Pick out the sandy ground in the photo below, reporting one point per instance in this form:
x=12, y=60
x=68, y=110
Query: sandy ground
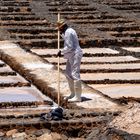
x=129, y=119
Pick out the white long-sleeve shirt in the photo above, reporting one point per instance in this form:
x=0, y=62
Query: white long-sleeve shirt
x=71, y=44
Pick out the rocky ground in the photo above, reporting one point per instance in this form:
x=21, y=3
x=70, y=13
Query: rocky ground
x=123, y=126
x=128, y=120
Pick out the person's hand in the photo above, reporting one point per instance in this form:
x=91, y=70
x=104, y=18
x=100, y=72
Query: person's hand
x=59, y=54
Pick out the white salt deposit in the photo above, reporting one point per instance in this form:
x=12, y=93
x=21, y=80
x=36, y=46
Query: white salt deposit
x=88, y=95
x=7, y=45
x=38, y=65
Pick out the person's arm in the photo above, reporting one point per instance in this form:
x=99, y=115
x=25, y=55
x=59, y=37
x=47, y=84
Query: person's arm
x=68, y=43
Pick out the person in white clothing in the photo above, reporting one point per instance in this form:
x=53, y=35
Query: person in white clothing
x=73, y=53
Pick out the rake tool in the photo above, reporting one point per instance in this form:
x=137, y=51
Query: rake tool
x=58, y=65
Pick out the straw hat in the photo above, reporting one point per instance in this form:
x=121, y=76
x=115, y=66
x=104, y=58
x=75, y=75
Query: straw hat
x=60, y=23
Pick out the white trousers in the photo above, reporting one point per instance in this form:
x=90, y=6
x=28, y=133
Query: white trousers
x=73, y=67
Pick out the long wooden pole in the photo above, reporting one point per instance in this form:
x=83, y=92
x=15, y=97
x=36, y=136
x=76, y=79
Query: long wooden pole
x=58, y=64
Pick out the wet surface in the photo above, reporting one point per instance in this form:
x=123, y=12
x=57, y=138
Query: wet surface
x=16, y=92
x=119, y=90
x=5, y=69
x=19, y=94
x=11, y=79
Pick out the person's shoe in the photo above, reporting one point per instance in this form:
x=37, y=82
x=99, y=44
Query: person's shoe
x=69, y=97
x=78, y=91
x=75, y=99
